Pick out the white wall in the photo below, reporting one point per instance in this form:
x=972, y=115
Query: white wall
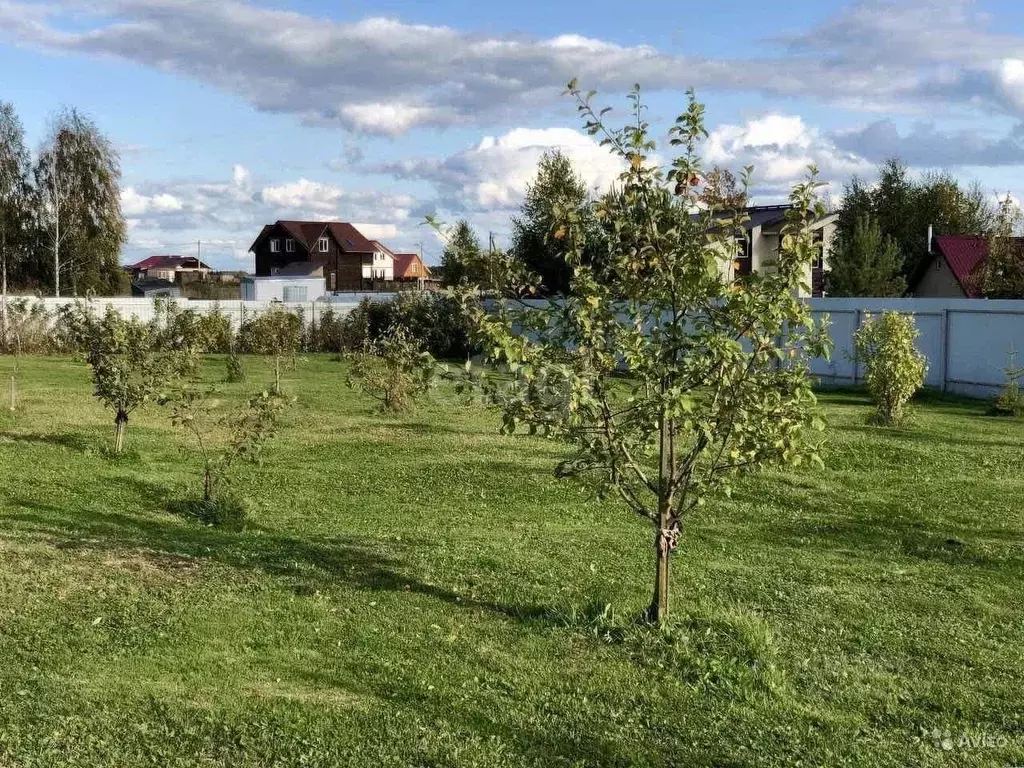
x=967, y=341
x=144, y=309
x=273, y=288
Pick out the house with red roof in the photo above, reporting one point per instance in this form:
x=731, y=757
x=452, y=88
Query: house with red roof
x=409, y=266
x=348, y=259
x=174, y=269
x=955, y=268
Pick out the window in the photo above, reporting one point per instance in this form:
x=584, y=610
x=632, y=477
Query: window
x=322, y=245
x=274, y=270
x=295, y=293
x=275, y=245
x=819, y=243
x=415, y=268
x=743, y=264
x=289, y=245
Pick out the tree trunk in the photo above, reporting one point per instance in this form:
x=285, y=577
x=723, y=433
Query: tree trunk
x=120, y=424
x=56, y=258
x=14, y=394
x=665, y=535
x=207, y=485
x=277, y=375
x=3, y=301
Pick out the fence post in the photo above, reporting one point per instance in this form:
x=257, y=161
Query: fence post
x=944, y=344
x=853, y=345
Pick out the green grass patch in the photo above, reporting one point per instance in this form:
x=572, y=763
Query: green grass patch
x=418, y=590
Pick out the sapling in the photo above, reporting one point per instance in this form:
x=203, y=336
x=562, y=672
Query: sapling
x=276, y=333
x=127, y=366
x=717, y=379
x=222, y=437
x=393, y=370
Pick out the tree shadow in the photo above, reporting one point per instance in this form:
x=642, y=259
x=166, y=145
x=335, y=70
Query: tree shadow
x=72, y=440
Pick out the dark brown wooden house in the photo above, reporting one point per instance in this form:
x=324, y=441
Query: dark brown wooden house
x=341, y=249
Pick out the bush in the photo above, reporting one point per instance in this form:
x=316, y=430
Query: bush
x=435, y=320
x=29, y=328
x=225, y=510
x=393, y=370
x=895, y=369
x=235, y=370
x=1010, y=401
x=328, y=334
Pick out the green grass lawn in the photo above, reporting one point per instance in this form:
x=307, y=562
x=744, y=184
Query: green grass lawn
x=418, y=590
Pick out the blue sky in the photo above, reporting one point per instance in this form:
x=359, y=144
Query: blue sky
x=233, y=113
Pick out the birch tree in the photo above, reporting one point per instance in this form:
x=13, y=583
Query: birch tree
x=14, y=202
x=77, y=177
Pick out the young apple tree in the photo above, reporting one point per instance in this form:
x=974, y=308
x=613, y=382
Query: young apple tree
x=665, y=374
x=127, y=368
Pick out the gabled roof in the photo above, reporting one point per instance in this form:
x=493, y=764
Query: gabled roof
x=347, y=237
x=169, y=262
x=770, y=216
x=964, y=254
x=381, y=247
x=404, y=260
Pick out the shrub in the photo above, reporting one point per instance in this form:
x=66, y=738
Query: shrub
x=235, y=370
x=393, y=370
x=227, y=511
x=1010, y=401
x=895, y=369
x=29, y=328
x=436, y=320
x=328, y=333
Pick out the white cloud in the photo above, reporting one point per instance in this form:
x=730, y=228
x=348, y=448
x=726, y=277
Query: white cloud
x=303, y=195
x=493, y=174
x=780, y=147
x=135, y=204
x=377, y=231
x=387, y=76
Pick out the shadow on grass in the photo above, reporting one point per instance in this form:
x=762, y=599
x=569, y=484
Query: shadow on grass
x=72, y=440
x=304, y=565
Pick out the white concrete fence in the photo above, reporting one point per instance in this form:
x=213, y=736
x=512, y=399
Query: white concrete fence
x=145, y=309
x=967, y=341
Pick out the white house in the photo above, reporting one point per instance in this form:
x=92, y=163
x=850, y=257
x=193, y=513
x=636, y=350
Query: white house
x=382, y=267
x=297, y=282
x=763, y=240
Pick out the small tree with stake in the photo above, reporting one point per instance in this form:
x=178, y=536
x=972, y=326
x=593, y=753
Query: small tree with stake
x=222, y=439
x=127, y=369
x=276, y=333
x=717, y=380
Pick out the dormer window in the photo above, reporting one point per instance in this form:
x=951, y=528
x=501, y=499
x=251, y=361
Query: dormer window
x=275, y=245
x=289, y=245
x=322, y=245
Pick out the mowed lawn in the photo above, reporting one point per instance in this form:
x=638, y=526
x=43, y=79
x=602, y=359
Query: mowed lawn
x=419, y=590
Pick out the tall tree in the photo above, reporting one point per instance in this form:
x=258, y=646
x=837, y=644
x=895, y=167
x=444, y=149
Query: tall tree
x=555, y=193
x=461, y=256
x=722, y=190
x=707, y=395
x=78, y=173
x=15, y=202
x=866, y=263
x=1002, y=276
x=905, y=207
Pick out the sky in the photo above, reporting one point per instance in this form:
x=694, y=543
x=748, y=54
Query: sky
x=232, y=114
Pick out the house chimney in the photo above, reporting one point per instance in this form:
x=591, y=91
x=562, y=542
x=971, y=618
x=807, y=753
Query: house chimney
x=929, y=238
